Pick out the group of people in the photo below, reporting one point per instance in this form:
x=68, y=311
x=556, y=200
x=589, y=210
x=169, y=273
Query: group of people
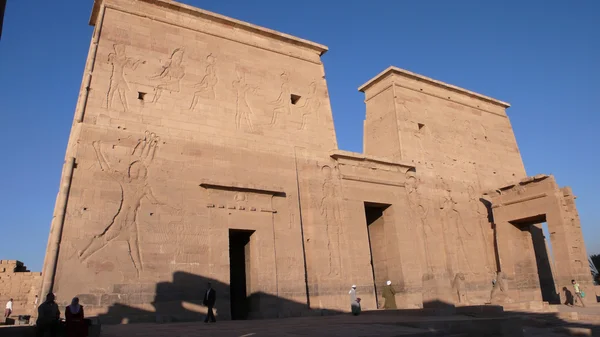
x=388, y=293
x=389, y=297
x=48, y=320
x=578, y=293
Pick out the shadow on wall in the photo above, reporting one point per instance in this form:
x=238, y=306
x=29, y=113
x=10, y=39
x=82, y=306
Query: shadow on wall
x=182, y=300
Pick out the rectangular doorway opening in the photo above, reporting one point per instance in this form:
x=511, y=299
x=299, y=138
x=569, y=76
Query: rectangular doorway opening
x=542, y=248
x=239, y=272
x=374, y=214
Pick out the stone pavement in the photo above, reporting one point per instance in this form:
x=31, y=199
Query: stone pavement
x=341, y=325
x=380, y=324
x=305, y=326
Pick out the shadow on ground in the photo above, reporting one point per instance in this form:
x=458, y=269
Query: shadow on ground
x=181, y=300
x=438, y=319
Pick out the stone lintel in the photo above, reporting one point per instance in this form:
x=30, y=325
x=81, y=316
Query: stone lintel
x=408, y=74
x=243, y=188
x=210, y=16
x=525, y=181
x=520, y=200
x=376, y=162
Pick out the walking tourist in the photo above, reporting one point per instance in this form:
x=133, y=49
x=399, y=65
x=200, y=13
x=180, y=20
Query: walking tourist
x=48, y=316
x=354, y=301
x=209, y=301
x=578, y=293
x=9, y=308
x=389, y=295
x=76, y=326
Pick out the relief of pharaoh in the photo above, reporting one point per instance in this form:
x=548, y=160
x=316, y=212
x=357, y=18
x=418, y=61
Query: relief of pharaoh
x=134, y=187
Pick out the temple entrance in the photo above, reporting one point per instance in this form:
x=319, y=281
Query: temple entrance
x=377, y=244
x=239, y=269
x=543, y=256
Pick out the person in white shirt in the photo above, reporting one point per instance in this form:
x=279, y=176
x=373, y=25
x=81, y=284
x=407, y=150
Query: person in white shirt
x=36, y=301
x=9, y=308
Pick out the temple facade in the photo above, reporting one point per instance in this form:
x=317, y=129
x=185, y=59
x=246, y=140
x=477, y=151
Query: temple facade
x=203, y=150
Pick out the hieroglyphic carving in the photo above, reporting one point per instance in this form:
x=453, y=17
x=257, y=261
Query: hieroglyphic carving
x=206, y=87
x=330, y=210
x=311, y=105
x=242, y=108
x=169, y=77
x=454, y=229
x=283, y=103
x=458, y=286
x=118, y=84
x=134, y=187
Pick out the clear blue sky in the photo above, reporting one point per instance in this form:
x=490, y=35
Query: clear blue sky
x=542, y=56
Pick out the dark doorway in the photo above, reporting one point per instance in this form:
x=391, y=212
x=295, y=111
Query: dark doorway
x=543, y=259
x=377, y=243
x=543, y=256
x=239, y=266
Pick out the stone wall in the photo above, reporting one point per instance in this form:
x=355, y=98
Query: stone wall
x=192, y=128
x=20, y=284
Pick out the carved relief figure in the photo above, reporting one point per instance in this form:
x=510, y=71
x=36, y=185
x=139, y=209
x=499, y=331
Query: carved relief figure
x=206, y=87
x=420, y=212
x=242, y=108
x=240, y=200
x=283, y=103
x=458, y=285
x=133, y=183
x=500, y=289
x=481, y=219
x=455, y=230
x=118, y=84
x=170, y=75
x=311, y=105
x=330, y=210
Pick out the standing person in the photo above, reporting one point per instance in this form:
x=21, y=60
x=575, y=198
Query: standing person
x=209, y=300
x=34, y=310
x=389, y=295
x=354, y=301
x=9, y=309
x=48, y=316
x=76, y=326
x=578, y=292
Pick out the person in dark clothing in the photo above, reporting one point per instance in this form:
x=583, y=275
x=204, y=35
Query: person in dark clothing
x=209, y=301
x=48, y=317
x=76, y=326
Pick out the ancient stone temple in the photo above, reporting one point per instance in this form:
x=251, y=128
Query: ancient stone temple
x=203, y=150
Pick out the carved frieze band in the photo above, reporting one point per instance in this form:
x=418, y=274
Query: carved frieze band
x=241, y=188
x=516, y=201
x=371, y=180
x=242, y=208
x=157, y=19
x=240, y=196
x=433, y=95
